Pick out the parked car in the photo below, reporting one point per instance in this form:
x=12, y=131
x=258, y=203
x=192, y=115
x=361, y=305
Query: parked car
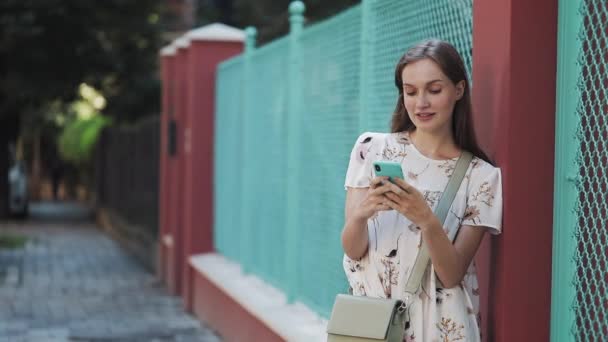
x=18, y=189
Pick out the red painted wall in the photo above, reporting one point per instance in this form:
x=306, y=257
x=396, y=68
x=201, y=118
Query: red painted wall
x=198, y=189
x=514, y=68
x=228, y=317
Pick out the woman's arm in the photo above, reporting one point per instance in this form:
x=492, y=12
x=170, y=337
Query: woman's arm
x=361, y=204
x=451, y=261
x=354, y=234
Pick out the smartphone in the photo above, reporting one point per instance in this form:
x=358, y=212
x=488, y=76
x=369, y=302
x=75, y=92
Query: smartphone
x=388, y=168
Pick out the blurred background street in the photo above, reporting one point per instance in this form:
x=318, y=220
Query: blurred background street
x=70, y=282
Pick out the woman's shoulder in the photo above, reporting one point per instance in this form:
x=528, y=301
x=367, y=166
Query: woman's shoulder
x=383, y=139
x=481, y=164
x=369, y=146
x=371, y=140
x=481, y=169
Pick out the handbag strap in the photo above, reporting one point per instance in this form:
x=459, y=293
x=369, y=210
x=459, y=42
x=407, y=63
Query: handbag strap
x=441, y=211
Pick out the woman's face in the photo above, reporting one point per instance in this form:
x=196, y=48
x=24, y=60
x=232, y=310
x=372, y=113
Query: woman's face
x=429, y=96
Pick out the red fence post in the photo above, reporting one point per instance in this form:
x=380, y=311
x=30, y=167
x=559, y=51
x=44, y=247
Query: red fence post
x=514, y=75
x=176, y=169
x=167, y=55
x=209, y=45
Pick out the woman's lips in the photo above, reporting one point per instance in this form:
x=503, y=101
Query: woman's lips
x=425, y=116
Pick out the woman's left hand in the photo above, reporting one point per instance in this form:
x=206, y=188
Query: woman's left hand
x=408, y=201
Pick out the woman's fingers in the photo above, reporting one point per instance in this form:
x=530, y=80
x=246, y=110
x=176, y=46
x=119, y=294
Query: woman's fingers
x=384, y=195
x=404, y=185
x=393, y=196
x=377, y=203
x=388, y=187
x=397, y=190
x=381, y=189
x=378, y=181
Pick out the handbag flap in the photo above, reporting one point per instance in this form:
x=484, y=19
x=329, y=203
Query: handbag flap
x=361, y=316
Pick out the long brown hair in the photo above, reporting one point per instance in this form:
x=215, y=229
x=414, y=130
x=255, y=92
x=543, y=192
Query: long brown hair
x=451, y=64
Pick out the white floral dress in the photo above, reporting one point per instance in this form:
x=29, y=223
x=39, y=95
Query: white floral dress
x=437, y=314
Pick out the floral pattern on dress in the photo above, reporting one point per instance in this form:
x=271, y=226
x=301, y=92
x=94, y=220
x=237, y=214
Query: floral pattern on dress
x=403, y=138
x=484, y=194
x=450, y=330
x=364, y=147
x=471, y=214
x=394, y=153
x=389, y=276
x=448, y=167
x=414, y=175
x=442, y=295
x=432, y=197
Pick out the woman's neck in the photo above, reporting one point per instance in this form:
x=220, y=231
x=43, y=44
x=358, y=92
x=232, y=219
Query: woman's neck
x=435, y=145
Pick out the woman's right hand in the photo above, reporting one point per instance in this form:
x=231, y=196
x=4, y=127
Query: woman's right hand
x=373, y=200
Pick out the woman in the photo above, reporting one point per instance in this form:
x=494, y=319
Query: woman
x=386, y=223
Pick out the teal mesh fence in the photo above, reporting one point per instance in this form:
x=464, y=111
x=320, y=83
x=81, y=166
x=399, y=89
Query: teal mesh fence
x=266, y=151
x=330, y=93
x=309, y=96
x=227, y=158
x=591, y=256
x=580, y=258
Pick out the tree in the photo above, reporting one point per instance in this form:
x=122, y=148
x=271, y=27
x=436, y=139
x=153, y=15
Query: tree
x=49, y=47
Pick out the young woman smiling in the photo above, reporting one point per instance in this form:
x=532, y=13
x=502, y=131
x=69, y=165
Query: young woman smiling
x=386, y=223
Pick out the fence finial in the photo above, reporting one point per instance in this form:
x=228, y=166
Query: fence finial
x=297, y=7
x=296, y=11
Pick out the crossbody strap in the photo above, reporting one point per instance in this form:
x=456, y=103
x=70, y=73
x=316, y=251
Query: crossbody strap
x=423, y=258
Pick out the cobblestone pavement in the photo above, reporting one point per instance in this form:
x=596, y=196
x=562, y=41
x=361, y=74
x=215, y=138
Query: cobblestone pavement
x=73, y=283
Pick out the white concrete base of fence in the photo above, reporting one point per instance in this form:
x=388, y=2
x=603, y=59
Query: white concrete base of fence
x=293, y=322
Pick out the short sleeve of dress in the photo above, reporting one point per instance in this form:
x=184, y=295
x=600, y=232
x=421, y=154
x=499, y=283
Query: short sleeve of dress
x=366, y=150
x=484, y=201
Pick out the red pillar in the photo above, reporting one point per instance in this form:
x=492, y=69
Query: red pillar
x=176, y=251
x=167, y=57
x=209, y=45
x=514, y=75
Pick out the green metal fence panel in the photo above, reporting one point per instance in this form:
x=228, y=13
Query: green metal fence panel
x=331, y=64
x=288, y=115
x=268, y=161
x=227, y=157
x=580, y=280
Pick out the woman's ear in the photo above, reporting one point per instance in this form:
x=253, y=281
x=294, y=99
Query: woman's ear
x=460, y=89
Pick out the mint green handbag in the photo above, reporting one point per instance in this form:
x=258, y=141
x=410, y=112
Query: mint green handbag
x=367, y=319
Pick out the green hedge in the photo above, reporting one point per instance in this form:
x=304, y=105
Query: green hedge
x=77, y=141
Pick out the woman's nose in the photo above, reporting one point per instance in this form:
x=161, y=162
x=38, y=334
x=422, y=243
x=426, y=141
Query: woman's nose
x=422, y=101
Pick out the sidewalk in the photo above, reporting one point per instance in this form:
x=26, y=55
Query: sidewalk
x=72, y=283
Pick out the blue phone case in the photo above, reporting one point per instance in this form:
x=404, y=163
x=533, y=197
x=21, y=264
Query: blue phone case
x=388, y=168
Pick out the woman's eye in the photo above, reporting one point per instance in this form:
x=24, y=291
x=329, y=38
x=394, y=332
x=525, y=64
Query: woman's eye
x=435, y=91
